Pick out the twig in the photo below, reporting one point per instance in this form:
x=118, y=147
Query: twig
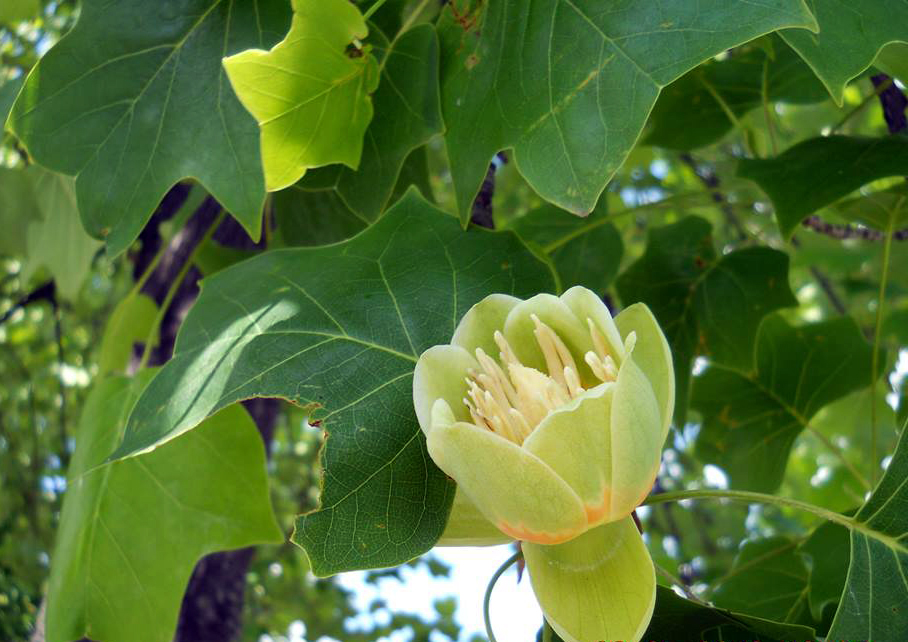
x=893, y=102
x=710, y=180
x=846, y=231
x=481, y=214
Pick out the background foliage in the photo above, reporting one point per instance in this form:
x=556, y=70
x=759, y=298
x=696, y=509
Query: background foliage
x=739, y=167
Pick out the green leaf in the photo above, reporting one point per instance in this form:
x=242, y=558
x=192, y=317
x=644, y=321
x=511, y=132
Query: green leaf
x=134, y=99
x=752, y=417
x=57, y=240
x=849, y=39
x=338, y=329
x=585, y=251
x=18, y=207
x=132, y=531
x=827, y=549
x=769, y=579
x=706, y=304
x=882, y=209
x=688, y=115
x=13, y=11
x=893, y=60
x=131, y=321
x=307, y=218
x=408, y=115
x=309, y=95
x=568, y=85
x=682, y=620
x=817, y=172
x=8, y=92
x=876, y=590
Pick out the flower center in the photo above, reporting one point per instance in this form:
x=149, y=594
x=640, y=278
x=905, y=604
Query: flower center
x=511, y=399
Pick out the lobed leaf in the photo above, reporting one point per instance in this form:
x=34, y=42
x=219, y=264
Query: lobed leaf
x=134, y=99
x=338, y=329
x=540, y=78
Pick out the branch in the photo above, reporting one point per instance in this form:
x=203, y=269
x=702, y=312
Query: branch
x=45, y=292
x=481, y=213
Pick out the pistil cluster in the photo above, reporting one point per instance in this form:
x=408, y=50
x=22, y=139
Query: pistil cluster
x=511, y=399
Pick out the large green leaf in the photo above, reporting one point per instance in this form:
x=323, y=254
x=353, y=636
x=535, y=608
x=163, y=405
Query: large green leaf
x=8, y=91
x=827, y=550
x=338, y=329
x=706, y=304
x=134, y=99
x=681, y=620
x=131, y=531
x=751, y=417
x=407, y=115
x=585, y=251
x=309, y=95
x=568, y=84
x=688, y=115
x=769, y=579
x=56, y=240
x=851, y=34
x=873, y=605
x=817, y=172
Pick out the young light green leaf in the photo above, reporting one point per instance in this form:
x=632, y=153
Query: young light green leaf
x=585, y=251
x=751, y=417
x=876, y=590
x=338, y=329
x=131, y=321
x=205, y=492
x=57, y=241
x=817, y=172
x=309, y=94
x=849, y=39
x=408, y=115
x=134, y=99
x=706, y=304
x=568, y=84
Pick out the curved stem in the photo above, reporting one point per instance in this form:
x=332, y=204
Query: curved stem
x=875, y=363
x=751, y=498
x=371, y=10
x=174, y=286
x=486, y=601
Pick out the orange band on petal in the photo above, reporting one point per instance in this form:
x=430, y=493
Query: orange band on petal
x=526, y=535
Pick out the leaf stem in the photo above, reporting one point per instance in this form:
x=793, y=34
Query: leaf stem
x=835, y=450
x=725, y=108
x=749, y=497
x=875, y=358
x=486, y=601
x=876, y=92
x=411, y=18
x=371, y=10
x=767, y=114
x=174, y=286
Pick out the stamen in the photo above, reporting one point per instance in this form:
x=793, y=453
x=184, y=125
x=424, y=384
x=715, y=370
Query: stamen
x=507, y=354
x=630, y=341
x=573, y=382
x=598, y=339
x=546, y=339
x=604, y=369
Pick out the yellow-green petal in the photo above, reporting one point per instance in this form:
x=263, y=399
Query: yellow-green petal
x=511, y=487
x=519, y=331
x=599, y=586
x=477, y=327
x=439, y=374
x=575, y=441
x=636, y=439
x=468, y=527
x=585, y=304
x=653, y=356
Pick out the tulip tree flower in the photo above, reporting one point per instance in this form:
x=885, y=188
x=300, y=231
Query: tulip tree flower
x=551, y=416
